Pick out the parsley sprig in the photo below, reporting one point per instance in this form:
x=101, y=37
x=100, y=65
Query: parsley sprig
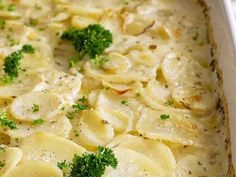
x=93, y=165
x=6, y=122
x=82, y=104
x=164, y=116
x=89, y=164
x=90, y=41
x=12, y=62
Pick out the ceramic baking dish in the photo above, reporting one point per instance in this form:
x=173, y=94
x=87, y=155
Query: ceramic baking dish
x=222, y=21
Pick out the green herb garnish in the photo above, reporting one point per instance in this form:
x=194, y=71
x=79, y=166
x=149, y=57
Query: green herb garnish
x=2, y=164
x=38, y=122
x=35, y=108
x=195, y=37
x=93, y=165
x=11, y=8
x=170, y=103
x=6, y=122
x=90, y=41
x=80, y=106
x=164, y=116
x=12, y=62
x=2, y=23
x=124, y=102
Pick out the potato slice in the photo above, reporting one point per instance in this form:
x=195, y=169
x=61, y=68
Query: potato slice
x=133, y=164
x=36, y=169
x=61, y=83
x=51, y=148
x=94, y=130
x=117, y=63
x=49, y=104
x=110, y=107
x=194, y=98
x=137, y=24
x=158, y=91
x=177, y=128
x=10, y=157
x=138, y=73
x=59, y=126
x=81, y=22
x=83, y=11
x=181, y=70
x=152, y=149
x=23, y=84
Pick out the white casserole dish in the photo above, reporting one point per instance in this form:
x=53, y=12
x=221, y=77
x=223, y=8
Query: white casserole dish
x=224, y=31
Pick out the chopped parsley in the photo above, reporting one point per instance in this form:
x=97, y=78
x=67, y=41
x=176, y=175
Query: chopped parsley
x=6, y=122
x=33, y=21
x=83, y=99
x=199, y=163
x=64, y=166
x=170, y=103
x=28, y=49
x=12, y=62
x=11, y=8
x=2, y=164
x=2, y=149
x=138, y=94
x=195, y=37
x=81, y=104
x=1, y=5
x=124, y=102
x=2, y=23
x=101, y=60
x=90, y=41
x=70, y=115
x=38, y=122
x=74, y=60
x=164, y=116
x=35, y=108
x=94, y=164
x=76, y=133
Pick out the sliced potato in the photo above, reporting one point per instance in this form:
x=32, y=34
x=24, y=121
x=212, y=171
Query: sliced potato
x=157, y=91
x=176, y=128
x=50, y=148
x=93, y=129
x=181, y=70
x=194, y=98
x=36, y=169
x=138, y=73
x=49, y=104
x=23, y=84
x=81, y=22
x=83, y=11
x=133, y=164
x=61, y=83
x=10, y=157
x=117, y=63
x=153, y=149
x=137, y=24
x=59, y=126
x=110, y=107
